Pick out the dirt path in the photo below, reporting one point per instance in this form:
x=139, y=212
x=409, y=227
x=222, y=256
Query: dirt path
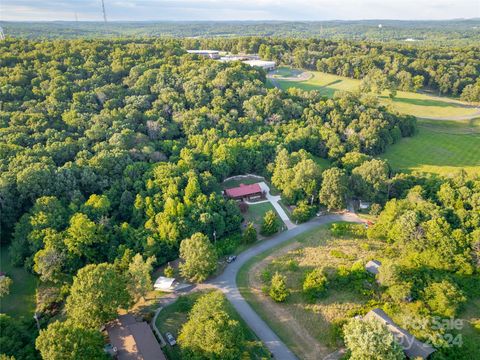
x=307, y=346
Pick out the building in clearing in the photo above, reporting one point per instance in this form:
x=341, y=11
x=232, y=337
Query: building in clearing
x=212, y=54
x=239, y=57
x=165, y=284
x=133, y=340
x=373, y=267
x=244, y=192
x=265, y=65
x=413, y=348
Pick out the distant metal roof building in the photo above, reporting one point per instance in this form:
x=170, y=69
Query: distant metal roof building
x=266, y=65
x=213, y=54
x=373, y=267
x=412, y=347
x=244, y=191
x=133, y=340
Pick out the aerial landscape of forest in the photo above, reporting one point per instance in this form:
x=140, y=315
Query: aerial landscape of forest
x=239, y=189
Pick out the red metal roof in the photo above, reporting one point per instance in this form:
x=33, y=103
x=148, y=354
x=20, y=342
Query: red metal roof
x=244, y=190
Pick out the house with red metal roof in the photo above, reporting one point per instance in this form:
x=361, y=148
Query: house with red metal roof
x=244, y=191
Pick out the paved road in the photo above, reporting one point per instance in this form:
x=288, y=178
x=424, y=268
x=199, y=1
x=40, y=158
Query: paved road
x=226, y=282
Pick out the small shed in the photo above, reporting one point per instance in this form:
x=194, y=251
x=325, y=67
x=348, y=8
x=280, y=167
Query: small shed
x=413, y=348
x=363, y=205
x=165, y=284
x=373, y=267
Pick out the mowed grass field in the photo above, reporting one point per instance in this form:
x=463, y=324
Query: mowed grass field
x=21, y=300
x=440, y=147
x=417, y=104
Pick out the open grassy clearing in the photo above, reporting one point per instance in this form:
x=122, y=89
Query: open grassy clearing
x=21, y=300
x=256, y=212
x=174, y=316
x=441, y=147
x=418, y=104
x=236, y=182
x=296, y=320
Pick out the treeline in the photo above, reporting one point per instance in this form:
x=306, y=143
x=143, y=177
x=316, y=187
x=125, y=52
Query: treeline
x=446, y=70
x=433, y=260
x=452, y=32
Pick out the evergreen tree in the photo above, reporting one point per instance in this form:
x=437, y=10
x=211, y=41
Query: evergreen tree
x=270, y=223
x=278, y=288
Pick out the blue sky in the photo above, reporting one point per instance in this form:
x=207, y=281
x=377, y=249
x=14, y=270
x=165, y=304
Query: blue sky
x=238, y=9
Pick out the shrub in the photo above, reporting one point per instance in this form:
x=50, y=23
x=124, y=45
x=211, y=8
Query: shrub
x=314, y=285
x=303, y=212
x=243, y=206
x=375, y=209
x=228, y=245
x=270, y=224
x=278, y=288
x=168, y=271
x=444, y=298
x=339, y=229
x=249, y=235
x=339, y=254
x=291, y=265
x=266, y=276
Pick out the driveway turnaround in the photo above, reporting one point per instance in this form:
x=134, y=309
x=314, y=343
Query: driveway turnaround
x=227, y=282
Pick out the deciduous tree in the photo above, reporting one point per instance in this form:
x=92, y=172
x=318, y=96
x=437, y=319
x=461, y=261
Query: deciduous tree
x=198, y=256
x=97, y=293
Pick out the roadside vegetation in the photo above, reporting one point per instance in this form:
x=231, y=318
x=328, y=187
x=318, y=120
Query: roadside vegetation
x=174, y=318
x=418, y=284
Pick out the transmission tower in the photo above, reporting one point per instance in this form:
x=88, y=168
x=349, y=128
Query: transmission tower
x=104, y=13
x=2, y=34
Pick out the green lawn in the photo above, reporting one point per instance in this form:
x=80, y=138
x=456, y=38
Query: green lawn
x=21, y=300
x=418, y=104
x=174, y=316
x=256, y=213
x=441, y=147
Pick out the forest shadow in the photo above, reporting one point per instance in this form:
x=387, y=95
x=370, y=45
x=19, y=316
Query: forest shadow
x=333, y=83
x=425, y=102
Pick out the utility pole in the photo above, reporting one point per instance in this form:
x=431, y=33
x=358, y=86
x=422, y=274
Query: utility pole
x=104, y=13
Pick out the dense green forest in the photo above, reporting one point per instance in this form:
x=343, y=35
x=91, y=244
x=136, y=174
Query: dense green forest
x=113, y=151
x=453, y=32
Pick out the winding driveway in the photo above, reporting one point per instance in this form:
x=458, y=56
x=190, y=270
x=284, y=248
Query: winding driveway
x=226, y=282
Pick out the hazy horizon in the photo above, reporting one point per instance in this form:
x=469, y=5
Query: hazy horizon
x=238, y=10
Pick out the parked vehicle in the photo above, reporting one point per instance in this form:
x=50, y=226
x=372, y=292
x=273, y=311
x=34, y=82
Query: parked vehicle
x=170, y=339
x=231, y=258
